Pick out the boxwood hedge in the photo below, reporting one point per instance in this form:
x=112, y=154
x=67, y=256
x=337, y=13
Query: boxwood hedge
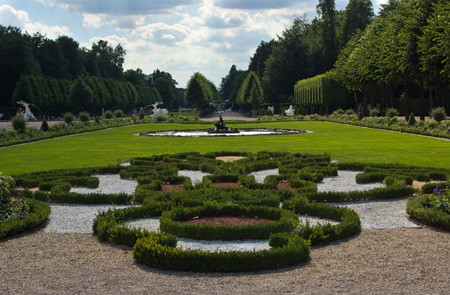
x=40, y=213
x=419, y=208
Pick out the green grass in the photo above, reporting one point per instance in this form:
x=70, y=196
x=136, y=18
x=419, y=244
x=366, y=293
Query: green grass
x=341, y=142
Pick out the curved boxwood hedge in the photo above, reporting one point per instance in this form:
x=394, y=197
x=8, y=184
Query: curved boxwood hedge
x=40, y=213
x=150, y=252
x=172, y=222
x=349, y=220
x=419, y=209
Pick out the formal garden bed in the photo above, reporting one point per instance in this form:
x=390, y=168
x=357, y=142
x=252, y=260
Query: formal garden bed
x=226, y=189
x=18, y=213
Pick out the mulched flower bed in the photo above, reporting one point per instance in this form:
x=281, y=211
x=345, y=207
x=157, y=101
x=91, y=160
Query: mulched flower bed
x=228, y=220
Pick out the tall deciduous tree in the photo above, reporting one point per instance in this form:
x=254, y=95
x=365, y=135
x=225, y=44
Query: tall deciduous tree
x=167, y=92
x=250, y=94
x=199, y=91
x=357, y=16
x=326, y=9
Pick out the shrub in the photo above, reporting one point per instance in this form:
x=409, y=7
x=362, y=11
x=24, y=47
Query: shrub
x=392, y=112
x=108, y=115
x=44, y=126
x=349, y=112
x=411, y=120
x=438, y=114
x=19, y=124
x=374, y=112
x=84, y=117
x=118, y=113
x=68, y=118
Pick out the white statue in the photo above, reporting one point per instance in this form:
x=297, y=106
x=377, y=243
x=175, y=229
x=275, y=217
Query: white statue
x=290, y=112
x=27, y=115
x=159, y=112
x=271, y=109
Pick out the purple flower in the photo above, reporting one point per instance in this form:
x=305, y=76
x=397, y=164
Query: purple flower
x=22, y=217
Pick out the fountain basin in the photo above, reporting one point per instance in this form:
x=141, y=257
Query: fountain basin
x=205, y=133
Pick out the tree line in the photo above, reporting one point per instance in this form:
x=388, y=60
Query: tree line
x=43, y=71
x=403, y=53
x=307, y=49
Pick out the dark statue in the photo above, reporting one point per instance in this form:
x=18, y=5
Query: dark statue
x=220, y=126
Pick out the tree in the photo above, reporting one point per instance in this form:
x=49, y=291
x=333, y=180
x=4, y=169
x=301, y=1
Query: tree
x=250, y=94
x=231, y=83
x=326, y=9
x=109, y=60
x=258, y=61
x=73, y=56
x=199, y=91
x=135, y=77
x=358, y=15
x=81, y=96
x=167, y=92
x=16, y=59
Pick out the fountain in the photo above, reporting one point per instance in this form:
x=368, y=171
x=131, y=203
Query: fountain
x=27, y=115
x=290, y=112
x=158, y=112
x=221, y=128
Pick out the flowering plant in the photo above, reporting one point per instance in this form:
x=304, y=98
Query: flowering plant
x=11, y=208
x=441, y=199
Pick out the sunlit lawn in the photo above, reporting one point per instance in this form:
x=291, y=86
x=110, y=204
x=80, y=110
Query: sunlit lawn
x=341, y=142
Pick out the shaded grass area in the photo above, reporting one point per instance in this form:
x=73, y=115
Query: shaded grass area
x=110, y=146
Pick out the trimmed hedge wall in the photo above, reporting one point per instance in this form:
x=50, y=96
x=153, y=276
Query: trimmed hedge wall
x=148, y=251
x=391, y=192
x=418, y=209
x=75, y=198
x=172, y=222
x=40, y=213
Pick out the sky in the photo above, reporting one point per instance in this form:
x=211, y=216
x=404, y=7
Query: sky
x=177, y=36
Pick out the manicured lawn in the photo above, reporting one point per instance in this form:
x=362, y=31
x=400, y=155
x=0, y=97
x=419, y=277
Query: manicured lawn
x=343, y=143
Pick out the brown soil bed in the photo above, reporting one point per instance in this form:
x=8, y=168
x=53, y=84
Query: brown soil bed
x=284, y=185
x=172, y=187
x=225, y=184
x=228, y=220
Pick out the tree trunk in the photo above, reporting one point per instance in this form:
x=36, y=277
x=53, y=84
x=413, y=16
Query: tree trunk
x=391, y=94
x=383, y=102
x=355, y=98
x=422, y=101
x=430, y=98
x=407, y=102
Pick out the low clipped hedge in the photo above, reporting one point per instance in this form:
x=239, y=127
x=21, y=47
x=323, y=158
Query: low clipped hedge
x=172, y=222
x=158, y=250
x=40, y=213
x=419, y=209
x=428, y=188
x=390, y=192
x=61, y=196
x=150, y=252
x=349, y=221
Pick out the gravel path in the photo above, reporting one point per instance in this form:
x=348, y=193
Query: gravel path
x=394, y=260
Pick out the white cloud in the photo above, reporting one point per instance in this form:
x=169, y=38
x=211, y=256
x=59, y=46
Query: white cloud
x=11, y=17
x=161, y=33
x=51, y=32
x=120, y=22
x=255, y=4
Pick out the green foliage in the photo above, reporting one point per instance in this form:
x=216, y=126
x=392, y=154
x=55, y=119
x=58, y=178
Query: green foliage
x=200, y=92
x=108, y=114
x=44, y=126
x=150, y=252
x=118, y=114
x=438, y=114
x=19, y=124
x=68, y=118
x=250, y=94
x=17, y=213
x=320, y=90
x=411, y=120
x=84, y=117
x=419, y=208
x=391, y=112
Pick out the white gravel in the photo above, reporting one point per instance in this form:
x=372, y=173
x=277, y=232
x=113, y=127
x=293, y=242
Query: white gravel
x=389, y=214
x=109, y=184
x=262, y=174
x=196, y=176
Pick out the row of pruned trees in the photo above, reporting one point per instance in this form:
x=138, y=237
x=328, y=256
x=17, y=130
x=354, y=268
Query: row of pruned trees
x=405, y=50
x=86, y=93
